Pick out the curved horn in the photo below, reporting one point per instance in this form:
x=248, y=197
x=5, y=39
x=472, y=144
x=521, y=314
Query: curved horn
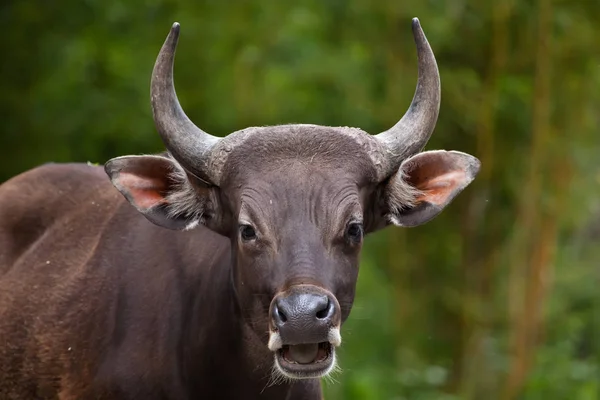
x=190, y=145
x=412, y=132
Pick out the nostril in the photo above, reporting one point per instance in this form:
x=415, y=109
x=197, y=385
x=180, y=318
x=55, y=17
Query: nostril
x=325, y=311
x=281, y=315
x=322, y=314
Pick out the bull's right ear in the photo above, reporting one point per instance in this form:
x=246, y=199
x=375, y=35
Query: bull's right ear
x=162, y=191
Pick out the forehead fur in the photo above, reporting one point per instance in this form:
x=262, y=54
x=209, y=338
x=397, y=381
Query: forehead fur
x=338, y=149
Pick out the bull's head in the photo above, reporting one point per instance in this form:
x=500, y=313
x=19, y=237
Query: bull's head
x=296, y=202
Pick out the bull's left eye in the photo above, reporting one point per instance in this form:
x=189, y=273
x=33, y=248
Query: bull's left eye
x=354, y=232
x=247, y=233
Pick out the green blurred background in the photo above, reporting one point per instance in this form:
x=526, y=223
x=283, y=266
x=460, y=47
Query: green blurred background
x=498, y=297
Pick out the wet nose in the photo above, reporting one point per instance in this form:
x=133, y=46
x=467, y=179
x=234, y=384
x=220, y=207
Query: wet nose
x=300, y=316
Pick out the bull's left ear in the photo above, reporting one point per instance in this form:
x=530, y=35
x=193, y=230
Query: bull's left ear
x=425, y=184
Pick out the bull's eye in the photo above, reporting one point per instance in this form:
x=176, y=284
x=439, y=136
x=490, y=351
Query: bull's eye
x=354, y=232
x=247, y=233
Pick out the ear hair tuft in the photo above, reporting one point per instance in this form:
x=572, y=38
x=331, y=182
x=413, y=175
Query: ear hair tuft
x=183, y=200
x=401, y=195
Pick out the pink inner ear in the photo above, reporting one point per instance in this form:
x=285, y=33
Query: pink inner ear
x=440, y=175
x=146, y=192
x=439, y=189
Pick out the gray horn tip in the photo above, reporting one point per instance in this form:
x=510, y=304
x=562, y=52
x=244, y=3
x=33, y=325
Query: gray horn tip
x=173, y=37
x=418, y=33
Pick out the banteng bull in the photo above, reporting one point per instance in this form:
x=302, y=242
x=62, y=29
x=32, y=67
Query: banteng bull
x=223, y=268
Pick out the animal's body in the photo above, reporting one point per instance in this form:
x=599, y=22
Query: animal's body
x=221, y=269
x=91, y=291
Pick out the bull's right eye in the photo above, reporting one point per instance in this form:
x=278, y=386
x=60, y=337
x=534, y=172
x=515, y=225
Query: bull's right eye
x=247, y=233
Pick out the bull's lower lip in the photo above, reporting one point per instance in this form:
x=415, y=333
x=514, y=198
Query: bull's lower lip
x=294, y=366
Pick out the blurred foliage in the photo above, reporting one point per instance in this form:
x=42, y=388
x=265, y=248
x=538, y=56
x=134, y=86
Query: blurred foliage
x=495, y=299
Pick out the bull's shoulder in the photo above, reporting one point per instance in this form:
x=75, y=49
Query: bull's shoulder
x=36, y=200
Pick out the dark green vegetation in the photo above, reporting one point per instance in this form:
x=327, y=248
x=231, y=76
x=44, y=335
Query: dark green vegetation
x=495, y=299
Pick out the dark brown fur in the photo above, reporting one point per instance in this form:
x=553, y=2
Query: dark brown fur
x=96, y=302
x=88, y=311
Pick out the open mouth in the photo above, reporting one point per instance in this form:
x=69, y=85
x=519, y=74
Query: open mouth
x=310, y=360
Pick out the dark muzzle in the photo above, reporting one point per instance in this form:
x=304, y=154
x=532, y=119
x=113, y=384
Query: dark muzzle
x=304, y=314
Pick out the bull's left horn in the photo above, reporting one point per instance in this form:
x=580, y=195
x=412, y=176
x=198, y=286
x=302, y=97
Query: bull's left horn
x=190, y=145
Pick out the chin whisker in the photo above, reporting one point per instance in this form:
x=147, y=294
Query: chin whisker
x=335, y=370
x=276, y=377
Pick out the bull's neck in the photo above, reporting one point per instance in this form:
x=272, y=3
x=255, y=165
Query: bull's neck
x=222, y=356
